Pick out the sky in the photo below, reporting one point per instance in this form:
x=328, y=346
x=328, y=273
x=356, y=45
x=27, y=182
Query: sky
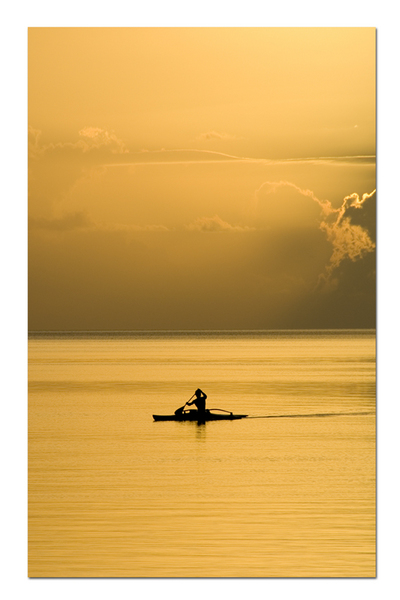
x=201, y=178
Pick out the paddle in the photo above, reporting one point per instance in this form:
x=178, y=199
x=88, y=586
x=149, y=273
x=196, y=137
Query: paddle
x=180, y=410
x=190, y=399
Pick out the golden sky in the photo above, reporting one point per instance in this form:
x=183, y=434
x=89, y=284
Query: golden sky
x=201, y=178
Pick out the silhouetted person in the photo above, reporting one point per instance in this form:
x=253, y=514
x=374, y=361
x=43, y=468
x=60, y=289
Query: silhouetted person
x=200, y=402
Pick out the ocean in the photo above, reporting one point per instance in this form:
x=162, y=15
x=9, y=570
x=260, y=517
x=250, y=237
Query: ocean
x=114, y=494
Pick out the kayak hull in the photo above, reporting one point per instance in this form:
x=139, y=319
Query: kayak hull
x=193, y=415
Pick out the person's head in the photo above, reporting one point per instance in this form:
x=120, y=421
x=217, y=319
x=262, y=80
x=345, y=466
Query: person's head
x=198, y=393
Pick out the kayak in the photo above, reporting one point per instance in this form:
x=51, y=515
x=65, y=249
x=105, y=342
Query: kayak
x=193, y=415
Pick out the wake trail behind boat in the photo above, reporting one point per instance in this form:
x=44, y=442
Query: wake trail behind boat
x=336, y=414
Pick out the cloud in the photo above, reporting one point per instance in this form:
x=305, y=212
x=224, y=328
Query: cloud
x=68, y=222
x=34, y=147
x=146, y=156
x=353, y=201
x=81, y=220
x=215, y=224
x=95, y=137
x=349, y=240
x=284, y=206
x=215, y=135
x=54, y=168
x=366, y=217
x=92, y=138
x=270, y=187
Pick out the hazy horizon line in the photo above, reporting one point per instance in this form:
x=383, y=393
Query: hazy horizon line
x=67, y=332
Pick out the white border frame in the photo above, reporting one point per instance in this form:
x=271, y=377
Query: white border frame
x=16, y=19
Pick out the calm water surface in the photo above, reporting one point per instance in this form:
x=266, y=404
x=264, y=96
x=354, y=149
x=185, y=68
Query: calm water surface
x=114, y=494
